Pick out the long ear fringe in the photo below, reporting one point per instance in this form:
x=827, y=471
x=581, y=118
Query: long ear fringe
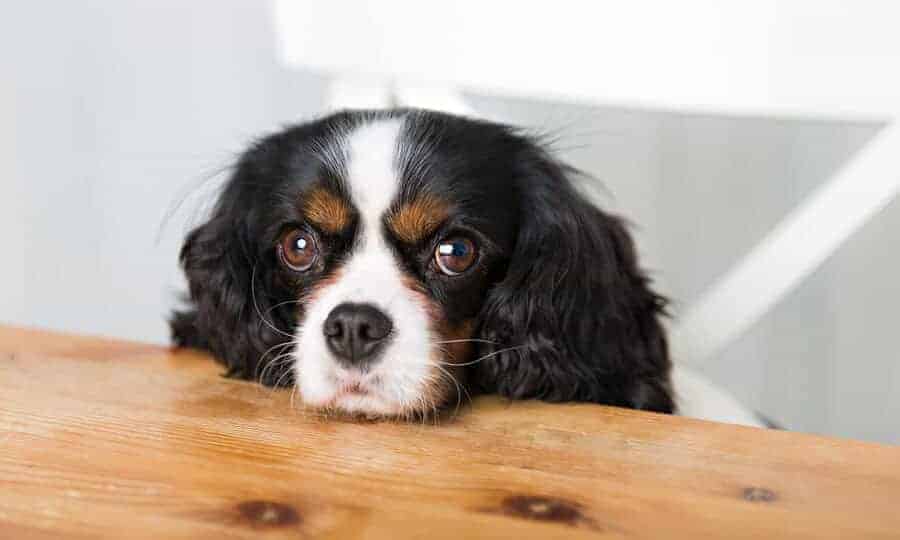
x=575, y=318
x=225, y=313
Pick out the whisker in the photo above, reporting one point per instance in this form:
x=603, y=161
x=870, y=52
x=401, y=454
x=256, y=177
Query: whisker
x=471, y=340
x=421, y=402
x=281, y=377
x=275, y=362
x=256, y=305
x=434, y=403
x=294, y=391
x=285, y=303
x=459, y=389
x=266, y=367
x=280, y=360
x=495, y=353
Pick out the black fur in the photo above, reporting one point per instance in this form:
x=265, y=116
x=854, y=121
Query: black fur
x=574, y=319
x=560, y=296
x=229, y=277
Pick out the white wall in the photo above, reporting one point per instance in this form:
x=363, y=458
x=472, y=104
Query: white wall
x=12, y=219
x=120, y=109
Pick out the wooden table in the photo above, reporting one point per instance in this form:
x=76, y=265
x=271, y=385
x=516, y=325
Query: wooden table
x=102, y=438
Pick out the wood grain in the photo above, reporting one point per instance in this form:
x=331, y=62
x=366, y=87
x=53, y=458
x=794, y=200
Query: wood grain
x=102, y=438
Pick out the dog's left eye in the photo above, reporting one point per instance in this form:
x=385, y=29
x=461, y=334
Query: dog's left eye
x=455, y=255
x=297, y=250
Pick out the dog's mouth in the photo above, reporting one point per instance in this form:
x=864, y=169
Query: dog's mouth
x=354, y=388
x=379, y=392
x=354, y=383
x=360, y=394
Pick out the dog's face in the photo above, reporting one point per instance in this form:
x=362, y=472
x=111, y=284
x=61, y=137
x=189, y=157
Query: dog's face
x=383, y=262
x=391, y=246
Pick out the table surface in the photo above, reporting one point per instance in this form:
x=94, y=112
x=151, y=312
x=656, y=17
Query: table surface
x=117, y=439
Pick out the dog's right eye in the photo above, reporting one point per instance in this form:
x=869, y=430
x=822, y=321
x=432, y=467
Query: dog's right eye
x=297, y=250
x=455, y=255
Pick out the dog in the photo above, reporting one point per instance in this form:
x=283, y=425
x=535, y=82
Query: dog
x=386, y=263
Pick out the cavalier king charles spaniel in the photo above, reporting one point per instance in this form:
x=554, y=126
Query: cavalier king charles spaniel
x=386, y=262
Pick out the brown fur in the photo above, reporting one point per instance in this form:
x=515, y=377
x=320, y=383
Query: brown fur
x=327, y=211
x=449, y=356
x=417, y=219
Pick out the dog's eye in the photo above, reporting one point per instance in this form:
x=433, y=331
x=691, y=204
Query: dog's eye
x=455, y=255
x=297, y=250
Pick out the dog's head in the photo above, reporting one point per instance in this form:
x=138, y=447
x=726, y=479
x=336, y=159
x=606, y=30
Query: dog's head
x=383, y=262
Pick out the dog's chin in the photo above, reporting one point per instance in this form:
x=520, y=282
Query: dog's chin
x=356, y=407
x=366, y=405
x=357, y=399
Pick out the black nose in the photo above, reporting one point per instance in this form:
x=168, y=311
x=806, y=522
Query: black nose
x=355, y=333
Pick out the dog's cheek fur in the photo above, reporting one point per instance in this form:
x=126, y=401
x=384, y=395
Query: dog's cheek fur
x=452, y=350
x=575, y=312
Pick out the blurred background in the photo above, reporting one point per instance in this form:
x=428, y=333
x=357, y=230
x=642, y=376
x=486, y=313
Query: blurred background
x=752, y=146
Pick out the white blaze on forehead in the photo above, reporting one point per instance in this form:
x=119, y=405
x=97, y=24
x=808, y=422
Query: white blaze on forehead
x=370, y=275
x=371, y=173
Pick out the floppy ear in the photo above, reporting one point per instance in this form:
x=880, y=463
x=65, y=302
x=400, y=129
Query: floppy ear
x=226, y=308
x=574, y=319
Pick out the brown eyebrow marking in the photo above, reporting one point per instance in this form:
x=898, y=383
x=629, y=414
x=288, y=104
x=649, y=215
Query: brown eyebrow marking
x=327, y=211
x=417, y=219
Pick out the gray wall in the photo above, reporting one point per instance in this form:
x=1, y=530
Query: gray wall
x=115, y=112
x=701, y=192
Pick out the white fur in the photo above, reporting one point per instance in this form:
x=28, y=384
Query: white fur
x=697, y=397
x=371, y=275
